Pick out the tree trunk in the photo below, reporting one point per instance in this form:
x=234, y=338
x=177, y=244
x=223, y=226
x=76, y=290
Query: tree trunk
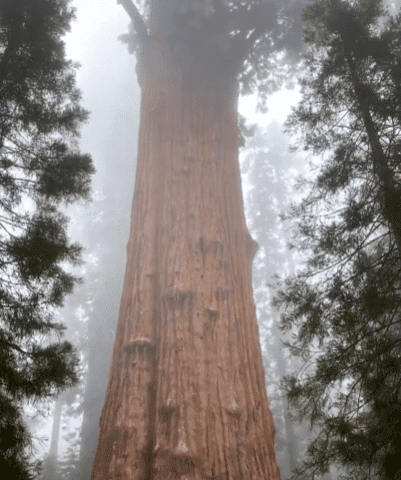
x=105, y=307
x=50, y=468
x=391, y=197
x=186, y=395
x=94, y=398
x=289, y=428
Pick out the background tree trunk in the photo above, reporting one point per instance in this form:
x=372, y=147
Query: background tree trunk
x=187, y=396
x=98, y=365
x=50, y=464
x=289, y=428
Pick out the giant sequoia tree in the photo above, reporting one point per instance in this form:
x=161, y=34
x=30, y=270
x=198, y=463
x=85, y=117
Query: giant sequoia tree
x=186, y=395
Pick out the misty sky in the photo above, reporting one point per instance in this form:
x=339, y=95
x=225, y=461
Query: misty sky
x=107, y=75
x=110, y=92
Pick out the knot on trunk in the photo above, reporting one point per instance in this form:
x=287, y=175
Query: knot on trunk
x=140, y=345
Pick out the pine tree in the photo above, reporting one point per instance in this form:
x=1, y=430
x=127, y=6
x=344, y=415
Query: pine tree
x=344, y=306
x=40, y=169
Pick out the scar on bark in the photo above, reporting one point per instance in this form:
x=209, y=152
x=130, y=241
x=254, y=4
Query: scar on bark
x=178, y=298
x=222, y=294
x=212, y=314
x=178, y=465
x=166, y=412
x=178, y=459
x=141, y=345
x=108, y=443
x=182, y=465
x=214, y=246
x=234, y=412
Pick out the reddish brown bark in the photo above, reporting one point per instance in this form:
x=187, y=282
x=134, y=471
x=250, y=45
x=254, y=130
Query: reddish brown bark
x=186, y=396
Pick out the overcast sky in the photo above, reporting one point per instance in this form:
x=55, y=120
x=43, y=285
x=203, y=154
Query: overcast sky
x=107, y=74
x=110, y=92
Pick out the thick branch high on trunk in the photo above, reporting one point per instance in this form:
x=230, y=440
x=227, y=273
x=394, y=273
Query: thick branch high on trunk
x=136, y=17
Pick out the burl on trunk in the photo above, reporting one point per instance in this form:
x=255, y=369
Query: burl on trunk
x=186, y=396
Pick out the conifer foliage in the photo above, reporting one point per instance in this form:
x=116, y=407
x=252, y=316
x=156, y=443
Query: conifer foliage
x=344, y=306
x=40, y=170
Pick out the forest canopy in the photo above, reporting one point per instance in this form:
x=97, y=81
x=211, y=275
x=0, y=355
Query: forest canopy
x=258, y=43
x=342, y=308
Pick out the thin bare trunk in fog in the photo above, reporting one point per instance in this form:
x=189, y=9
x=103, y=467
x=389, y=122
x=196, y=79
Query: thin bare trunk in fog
x=97, y=365
x=50, y=464
x=186, y=395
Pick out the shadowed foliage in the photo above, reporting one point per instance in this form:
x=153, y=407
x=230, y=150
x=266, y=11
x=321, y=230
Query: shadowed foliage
x=343, y=307
x=40, y=169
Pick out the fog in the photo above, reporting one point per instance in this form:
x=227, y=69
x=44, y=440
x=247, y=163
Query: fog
x=110, y=92
x=339, y=295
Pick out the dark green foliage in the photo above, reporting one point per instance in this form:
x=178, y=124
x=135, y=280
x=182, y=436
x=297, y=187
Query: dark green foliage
x=258, y=42
x=13, y=441
x=40, y=168
x=344, y=306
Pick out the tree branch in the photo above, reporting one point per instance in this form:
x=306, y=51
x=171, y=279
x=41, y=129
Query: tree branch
x=139, y=23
